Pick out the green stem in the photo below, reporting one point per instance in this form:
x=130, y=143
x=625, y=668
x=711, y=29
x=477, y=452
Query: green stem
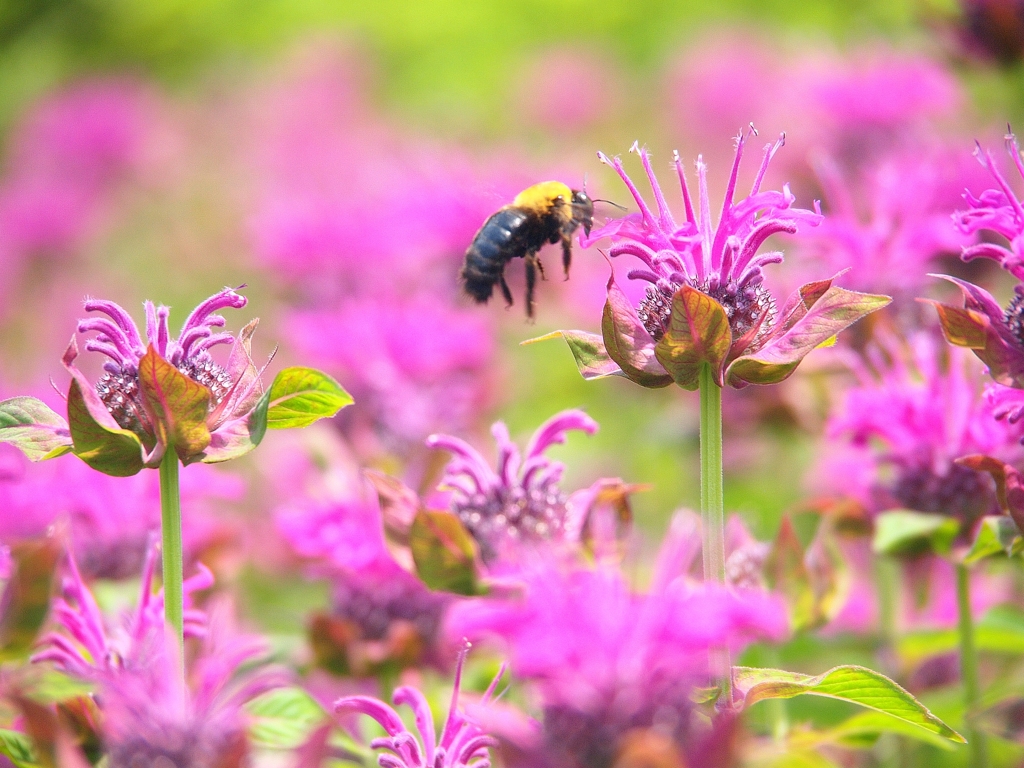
x=969, y=666
x=712, y=506
x=170, y=509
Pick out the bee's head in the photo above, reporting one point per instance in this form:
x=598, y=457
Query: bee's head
x=583, y=209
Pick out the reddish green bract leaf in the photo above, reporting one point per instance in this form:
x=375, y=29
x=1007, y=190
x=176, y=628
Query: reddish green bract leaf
x=588, y=350
x=698, y=333
x=628, y=343
x=831, y=312
x=98, y=440
x=26, y=598
x=962, y=327
x=444, y=552
x=858, y=685
x=1009, y=484
x=236, y=438
x=177, y=405
x=31, y=426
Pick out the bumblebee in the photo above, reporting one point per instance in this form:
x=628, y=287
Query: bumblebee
x=548, y=212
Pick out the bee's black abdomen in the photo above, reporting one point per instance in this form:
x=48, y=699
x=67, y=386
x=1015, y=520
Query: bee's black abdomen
x=494, y=245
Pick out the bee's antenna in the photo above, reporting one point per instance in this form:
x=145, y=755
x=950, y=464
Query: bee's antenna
x=620, y=207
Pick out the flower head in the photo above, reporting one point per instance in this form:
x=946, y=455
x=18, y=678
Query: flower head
x=92, y=649
x=462, y=743
x=520, y=500
x=995, y=335
x=608, y=660
x=706, y=301
x=381, y=616
x=912, y=414
x=165, y=392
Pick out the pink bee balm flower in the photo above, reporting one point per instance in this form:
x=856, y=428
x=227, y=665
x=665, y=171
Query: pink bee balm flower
x=161, y=391
x=91, y=649
x=913, y=413
x=150, y=717
x=381, y=616
x=995, y=335
x=520, y=500
x=607, y=660
x=462, y=743
x=706, y=301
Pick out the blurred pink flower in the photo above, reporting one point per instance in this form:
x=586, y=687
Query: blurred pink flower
x=91, y=648
x=888, y=222
x=607, y=659
x=150, y=716
x=381, y=616
x=567, y=90
x=850, y=106
x=110, y=519
x=414, y=363
x=63, y=160
x=520, y=502
x=914, y=411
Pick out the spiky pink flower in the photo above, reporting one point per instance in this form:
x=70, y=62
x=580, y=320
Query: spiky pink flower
x=461, y=744
x=914, y=412
x=520, y=500
x=90, y=648
x=607, y=659
x=381, y=616
x=163, y=390
x=110, y=520
x=995, y=335
x=706, y=301
x=150, y=716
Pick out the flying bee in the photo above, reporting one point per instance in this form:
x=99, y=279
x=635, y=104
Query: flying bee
x=548, y=212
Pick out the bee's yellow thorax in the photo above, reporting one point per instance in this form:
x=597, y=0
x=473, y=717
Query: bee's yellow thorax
x=541, y=198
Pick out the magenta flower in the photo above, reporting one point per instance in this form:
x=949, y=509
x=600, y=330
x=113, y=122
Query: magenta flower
x=995, y=335
x=149, y=716
x=90, y=648
x=706, y=302
x=912, y=414
x=110, y=519
x=607, y=660
x=519, y=501
x=381, y=616
x=882, y=236
x=415, y=363
x=461, y=744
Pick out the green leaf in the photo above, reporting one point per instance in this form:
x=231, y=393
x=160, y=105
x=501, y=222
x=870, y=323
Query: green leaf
x=827, y=314
x=177, y=405
x=997, y=535
x=444, y=552
x=857, y=685
x=98, y=441
x=698, y=333
x=31, y=426
x=17, y=747
x=283, y=718
x=300, y=396
x=26, y=599
x=863, y=729
x=628, y=343
x=904, y=531
x=592, y=359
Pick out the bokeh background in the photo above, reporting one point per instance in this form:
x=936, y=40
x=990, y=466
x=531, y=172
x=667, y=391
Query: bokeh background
x=337, y=158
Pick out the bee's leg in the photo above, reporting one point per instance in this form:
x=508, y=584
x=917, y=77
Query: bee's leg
x=566, y=253
x=531, y=282
x=540, y=266
x=505, y=290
